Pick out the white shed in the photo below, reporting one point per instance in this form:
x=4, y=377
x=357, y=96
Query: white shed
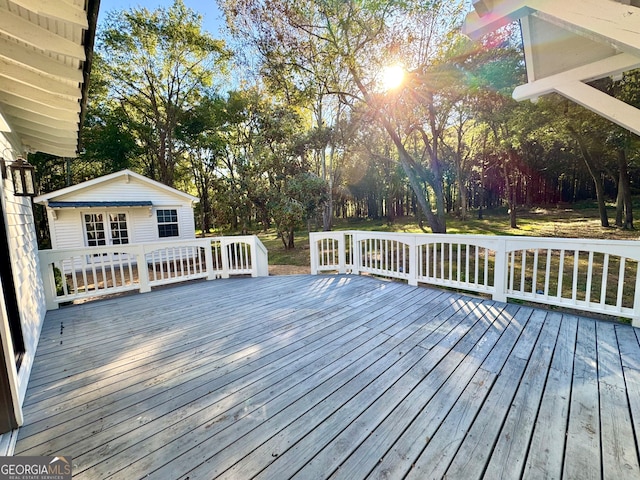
x=117, y=209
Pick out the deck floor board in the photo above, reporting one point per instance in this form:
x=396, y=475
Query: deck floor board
x=331, y=377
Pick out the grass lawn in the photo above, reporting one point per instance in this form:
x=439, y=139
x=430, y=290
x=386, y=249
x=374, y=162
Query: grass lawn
x=580, y=221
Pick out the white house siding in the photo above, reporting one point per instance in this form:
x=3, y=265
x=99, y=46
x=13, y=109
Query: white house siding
x=23, y=246
x=66, y=229
x=28, y=280
x=145, y=226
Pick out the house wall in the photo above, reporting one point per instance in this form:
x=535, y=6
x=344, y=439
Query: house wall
x=67, y=229
x=23, y=246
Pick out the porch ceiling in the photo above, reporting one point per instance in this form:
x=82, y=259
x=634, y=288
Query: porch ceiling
x=568, y=44
x=45, y=55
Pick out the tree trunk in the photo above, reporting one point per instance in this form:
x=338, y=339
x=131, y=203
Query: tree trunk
x=291, y=244
x=234, y=218
x=619, y=203
x=595, y=175
x=462, y=195
x=624, y=190
x=206, y=214
x=511, y=194
x=602, y=206
x=327, y=212
x=436, y=222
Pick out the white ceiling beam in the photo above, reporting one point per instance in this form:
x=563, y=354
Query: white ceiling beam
x=611, y=66
x=39, y=37
x=24, y=75
x=52, y=129
x=599, y=102
x=4, y=125
x=23, y=118
x=601, y=20
x=609, y=22
x=527, y=40
x=40, y=96
x=66, y=151
x=38, y=61
x=29, y=140
x=482, y=7
x=490, y=17
x=60, y=10
x=10, y=101
x=45, y=137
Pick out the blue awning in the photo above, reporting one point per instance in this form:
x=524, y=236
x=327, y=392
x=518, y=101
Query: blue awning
x=132, y=203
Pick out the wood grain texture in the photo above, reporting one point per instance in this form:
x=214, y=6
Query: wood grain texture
x=331, y=377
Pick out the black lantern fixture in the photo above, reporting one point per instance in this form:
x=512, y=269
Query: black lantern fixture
x=22, y=175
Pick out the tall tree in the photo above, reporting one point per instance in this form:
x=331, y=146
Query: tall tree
x=493, y=70
x=202, y=132
x=157, y=64
x=350, y=43
x=589, y=132
x=107, y=136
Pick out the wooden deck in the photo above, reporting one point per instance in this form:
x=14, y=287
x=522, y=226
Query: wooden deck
x=332, y=377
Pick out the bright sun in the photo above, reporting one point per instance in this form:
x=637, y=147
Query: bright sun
x=392, y=77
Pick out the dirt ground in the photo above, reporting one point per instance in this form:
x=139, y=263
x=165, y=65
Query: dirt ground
x=288, y=270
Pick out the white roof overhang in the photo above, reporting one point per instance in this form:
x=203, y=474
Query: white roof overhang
x=568, y=43
x=45, y=56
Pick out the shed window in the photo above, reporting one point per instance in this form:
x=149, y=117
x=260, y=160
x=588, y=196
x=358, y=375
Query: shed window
x=167, y=223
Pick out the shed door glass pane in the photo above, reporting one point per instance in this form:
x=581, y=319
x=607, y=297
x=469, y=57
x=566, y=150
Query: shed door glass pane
x=118, y=226
x=94, y=226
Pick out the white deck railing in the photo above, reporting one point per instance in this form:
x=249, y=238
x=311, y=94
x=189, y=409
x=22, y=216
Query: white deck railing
x=72, y=274
x=589, y=275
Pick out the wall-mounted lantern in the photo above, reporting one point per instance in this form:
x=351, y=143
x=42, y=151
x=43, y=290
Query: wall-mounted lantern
x=22, y=175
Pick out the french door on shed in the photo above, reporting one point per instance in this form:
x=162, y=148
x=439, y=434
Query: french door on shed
x=105, y=228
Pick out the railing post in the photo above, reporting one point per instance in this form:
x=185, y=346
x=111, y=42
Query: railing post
x=357, y=253
x=413, y=261
x=500, y=271
x=342, y=253
x=635, y=320
x=313, y=253
x=49, y=283
x=224, y=256
x=143, y=269
x=208, y=258
x=262, y=258
x=254, y=257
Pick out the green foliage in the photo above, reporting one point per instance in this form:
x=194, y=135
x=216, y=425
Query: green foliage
x=158, y=64
x=287, y=213
x=309, y=190
x=316, y=136
x=315, y=49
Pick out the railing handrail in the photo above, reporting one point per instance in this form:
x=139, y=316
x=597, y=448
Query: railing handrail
x=518, y=267
x=103, y=270
x=489, y=238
